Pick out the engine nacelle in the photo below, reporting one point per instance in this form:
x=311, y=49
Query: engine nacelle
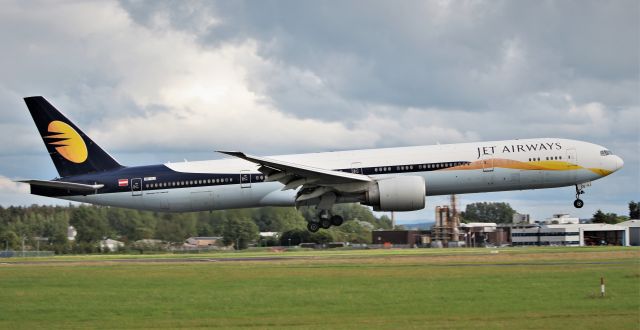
x=403, y=193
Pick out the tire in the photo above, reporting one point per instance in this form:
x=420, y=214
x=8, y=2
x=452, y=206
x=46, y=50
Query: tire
x=313, y=227
x=336, y=220
x=325, y=223
x=578, y=203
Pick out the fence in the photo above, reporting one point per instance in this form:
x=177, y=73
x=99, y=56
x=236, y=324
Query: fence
x=25, y=254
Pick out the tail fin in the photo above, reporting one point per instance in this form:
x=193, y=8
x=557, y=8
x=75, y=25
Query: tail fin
x=72, y=151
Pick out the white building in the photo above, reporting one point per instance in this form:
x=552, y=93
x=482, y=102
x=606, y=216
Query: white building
x=571, y=234
x=110, y=244
x=71, y=233
x=559, y=219
x=480, y=226
x=269, y=234
x=200, y=242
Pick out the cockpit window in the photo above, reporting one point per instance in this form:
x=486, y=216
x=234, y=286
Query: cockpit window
x=605, y=153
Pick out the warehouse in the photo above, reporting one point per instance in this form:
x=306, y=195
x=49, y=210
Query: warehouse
x=570, y=235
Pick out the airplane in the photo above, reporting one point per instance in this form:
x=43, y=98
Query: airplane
x=389, y=179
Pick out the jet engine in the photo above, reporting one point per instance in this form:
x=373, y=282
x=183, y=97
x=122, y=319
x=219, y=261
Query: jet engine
x=403, y=193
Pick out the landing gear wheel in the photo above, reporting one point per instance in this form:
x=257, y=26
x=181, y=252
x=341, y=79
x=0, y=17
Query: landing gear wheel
x=578, y=203
x=336, y=220
x=313, y=227
x=325, y=223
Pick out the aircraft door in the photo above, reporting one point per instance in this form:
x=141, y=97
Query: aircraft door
x=136, y=187
x=572, y=157
x=245, y=179
x=487, y=165
x=487, y=169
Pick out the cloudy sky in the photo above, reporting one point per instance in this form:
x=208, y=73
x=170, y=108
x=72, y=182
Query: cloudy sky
x=162, y=81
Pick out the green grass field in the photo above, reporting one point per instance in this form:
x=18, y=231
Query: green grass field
x=391, y=289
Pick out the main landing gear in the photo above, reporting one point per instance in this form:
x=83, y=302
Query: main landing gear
x=325, y=221
x=578, y=203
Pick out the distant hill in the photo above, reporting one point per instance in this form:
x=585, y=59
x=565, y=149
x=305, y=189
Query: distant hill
x=418, y=226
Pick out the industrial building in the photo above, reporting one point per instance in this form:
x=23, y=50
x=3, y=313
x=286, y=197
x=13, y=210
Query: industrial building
x=561, y=230
x=485, y=234
x=401, y=238
x=446, y=230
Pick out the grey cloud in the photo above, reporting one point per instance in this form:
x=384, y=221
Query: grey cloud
x=425, y=54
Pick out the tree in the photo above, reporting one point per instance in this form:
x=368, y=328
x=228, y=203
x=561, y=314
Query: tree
x=634, y=210
x=173, y=227
x=9, y=239
x=279, y=219
x=353, y=231
x=488, y=212
x=321, y=237
x=601, y=217
x=91, y=225
x=385, y=222
x=239, y=231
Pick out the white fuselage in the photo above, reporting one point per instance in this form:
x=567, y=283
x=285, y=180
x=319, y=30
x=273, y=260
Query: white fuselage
x=488, y=166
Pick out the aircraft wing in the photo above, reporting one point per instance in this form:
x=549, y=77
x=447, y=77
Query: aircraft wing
x=293, y=175
x=63, y=185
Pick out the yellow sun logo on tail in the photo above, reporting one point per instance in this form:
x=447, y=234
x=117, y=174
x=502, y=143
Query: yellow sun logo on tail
x=68, y=142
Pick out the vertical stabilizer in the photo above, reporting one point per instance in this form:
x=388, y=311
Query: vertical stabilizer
x=72, y=151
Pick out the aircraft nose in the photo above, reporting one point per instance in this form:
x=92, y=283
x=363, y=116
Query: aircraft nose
x=619, y=163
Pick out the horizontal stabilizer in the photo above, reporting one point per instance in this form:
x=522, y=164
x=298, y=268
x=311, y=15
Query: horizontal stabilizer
x=63, y=185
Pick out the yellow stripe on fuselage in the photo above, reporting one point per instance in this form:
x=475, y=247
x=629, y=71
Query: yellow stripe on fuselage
x=543, y=165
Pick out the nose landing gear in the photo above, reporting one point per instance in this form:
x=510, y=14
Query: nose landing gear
x=578, y=203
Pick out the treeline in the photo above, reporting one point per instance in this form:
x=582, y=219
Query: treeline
x=503, y=213
x=488, y=212
x=46, y=226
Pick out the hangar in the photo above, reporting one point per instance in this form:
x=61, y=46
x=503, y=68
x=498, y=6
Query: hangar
x=570, y=234
x=634, y=231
